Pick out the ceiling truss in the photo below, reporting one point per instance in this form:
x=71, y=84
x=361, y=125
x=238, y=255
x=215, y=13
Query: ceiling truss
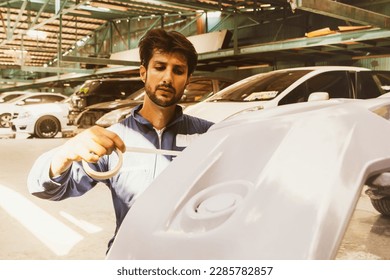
x=65, y=23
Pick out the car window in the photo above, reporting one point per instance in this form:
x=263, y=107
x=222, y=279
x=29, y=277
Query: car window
x=384, y=79
x=299, y=94
x=197, y=91
x=98, y=92
x=40, y=99
x=260, y=87
x=335, y=83
x=32, y=100
x=368, y=85
x=222, y=84
x=51, y=98
x=10, y=97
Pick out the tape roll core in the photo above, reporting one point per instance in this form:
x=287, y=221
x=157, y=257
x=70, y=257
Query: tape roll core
x=107, y=174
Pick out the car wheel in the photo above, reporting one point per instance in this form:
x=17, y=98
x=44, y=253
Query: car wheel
x=5, y=120
x=47, y=127
x=382, y=205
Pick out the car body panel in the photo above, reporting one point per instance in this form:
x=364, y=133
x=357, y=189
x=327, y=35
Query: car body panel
x=275, y=184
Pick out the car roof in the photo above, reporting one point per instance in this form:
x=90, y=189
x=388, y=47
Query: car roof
x=326, y=68
x=36, y=94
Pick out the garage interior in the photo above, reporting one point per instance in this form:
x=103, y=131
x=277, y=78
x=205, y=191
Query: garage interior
x=55, y=45
x=58, y=44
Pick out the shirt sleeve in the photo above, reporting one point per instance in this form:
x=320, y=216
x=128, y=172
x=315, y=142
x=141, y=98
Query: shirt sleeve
x=74, y=182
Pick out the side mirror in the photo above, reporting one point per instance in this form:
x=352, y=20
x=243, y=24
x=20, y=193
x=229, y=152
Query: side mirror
x=318, y=96
x=20, y=103
x=1, y=100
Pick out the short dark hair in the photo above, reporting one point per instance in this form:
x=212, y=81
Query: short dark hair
x=167, y=41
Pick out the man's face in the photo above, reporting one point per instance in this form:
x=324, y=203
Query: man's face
x=166, y=78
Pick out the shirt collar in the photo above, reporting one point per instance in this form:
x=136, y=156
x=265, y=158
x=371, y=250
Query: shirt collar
x=137, y=116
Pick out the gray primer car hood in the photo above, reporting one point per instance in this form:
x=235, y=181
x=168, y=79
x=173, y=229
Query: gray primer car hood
x=276, y=185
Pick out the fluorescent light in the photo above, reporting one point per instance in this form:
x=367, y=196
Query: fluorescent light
x=108, y=6
x=214, y=14
x=81, y=12
x=94, y=9
x=36, y=34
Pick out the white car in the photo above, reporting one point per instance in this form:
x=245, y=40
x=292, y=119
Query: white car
x=7, y=109
x=287, y=86
x=43, y=120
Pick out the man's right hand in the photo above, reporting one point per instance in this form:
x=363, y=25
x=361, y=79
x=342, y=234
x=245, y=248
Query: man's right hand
x=88, y=145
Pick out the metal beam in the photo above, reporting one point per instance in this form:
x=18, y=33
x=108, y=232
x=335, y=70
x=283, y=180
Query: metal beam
x=99, y=61
x=56, y=70
x=10, y=33
x=301, y=43
x=343, y=11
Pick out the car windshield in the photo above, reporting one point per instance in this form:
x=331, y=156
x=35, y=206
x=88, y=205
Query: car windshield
x=259, y=87
x=138, y=95
x=10, y=97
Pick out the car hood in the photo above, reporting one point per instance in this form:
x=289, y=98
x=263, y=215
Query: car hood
x=114, y=104
x=255, y=187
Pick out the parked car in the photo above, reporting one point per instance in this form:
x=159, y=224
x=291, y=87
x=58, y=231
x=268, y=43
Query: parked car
x=9, y=95
x=288, y=86
x=44, y=120
x=108, y=113
x=7, y=109
x=299, y=166
x=101, y=90
x=92, y=113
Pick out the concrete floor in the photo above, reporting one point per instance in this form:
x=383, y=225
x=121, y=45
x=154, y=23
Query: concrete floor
x=33, y=228
x=80, y=228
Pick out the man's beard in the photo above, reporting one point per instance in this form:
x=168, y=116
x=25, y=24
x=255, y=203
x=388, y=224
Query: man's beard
x=162, y=103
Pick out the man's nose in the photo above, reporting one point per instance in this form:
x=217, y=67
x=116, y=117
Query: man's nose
x=167, y=78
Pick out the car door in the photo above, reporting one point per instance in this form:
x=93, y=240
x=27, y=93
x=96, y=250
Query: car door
x=336, y=83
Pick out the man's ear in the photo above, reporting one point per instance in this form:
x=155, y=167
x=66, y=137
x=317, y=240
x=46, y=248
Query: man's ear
x=142, y=73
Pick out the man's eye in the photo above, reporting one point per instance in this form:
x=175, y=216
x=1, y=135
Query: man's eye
x=159, y=68
x=178, y=71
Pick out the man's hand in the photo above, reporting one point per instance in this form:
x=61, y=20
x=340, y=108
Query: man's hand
x=89, y=145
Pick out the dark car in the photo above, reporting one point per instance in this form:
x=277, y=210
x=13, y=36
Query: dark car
x=101, y=90
x=198, y=89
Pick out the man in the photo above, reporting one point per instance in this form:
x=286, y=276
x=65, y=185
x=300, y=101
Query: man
x=167, y=61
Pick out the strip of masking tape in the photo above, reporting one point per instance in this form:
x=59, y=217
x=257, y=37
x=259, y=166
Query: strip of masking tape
x=108, y=174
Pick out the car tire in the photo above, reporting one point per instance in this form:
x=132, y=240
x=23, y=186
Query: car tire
x=382, y=205
x=5, y=120
x=47, y=127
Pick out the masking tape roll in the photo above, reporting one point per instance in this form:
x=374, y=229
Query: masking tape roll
x=107, y=174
